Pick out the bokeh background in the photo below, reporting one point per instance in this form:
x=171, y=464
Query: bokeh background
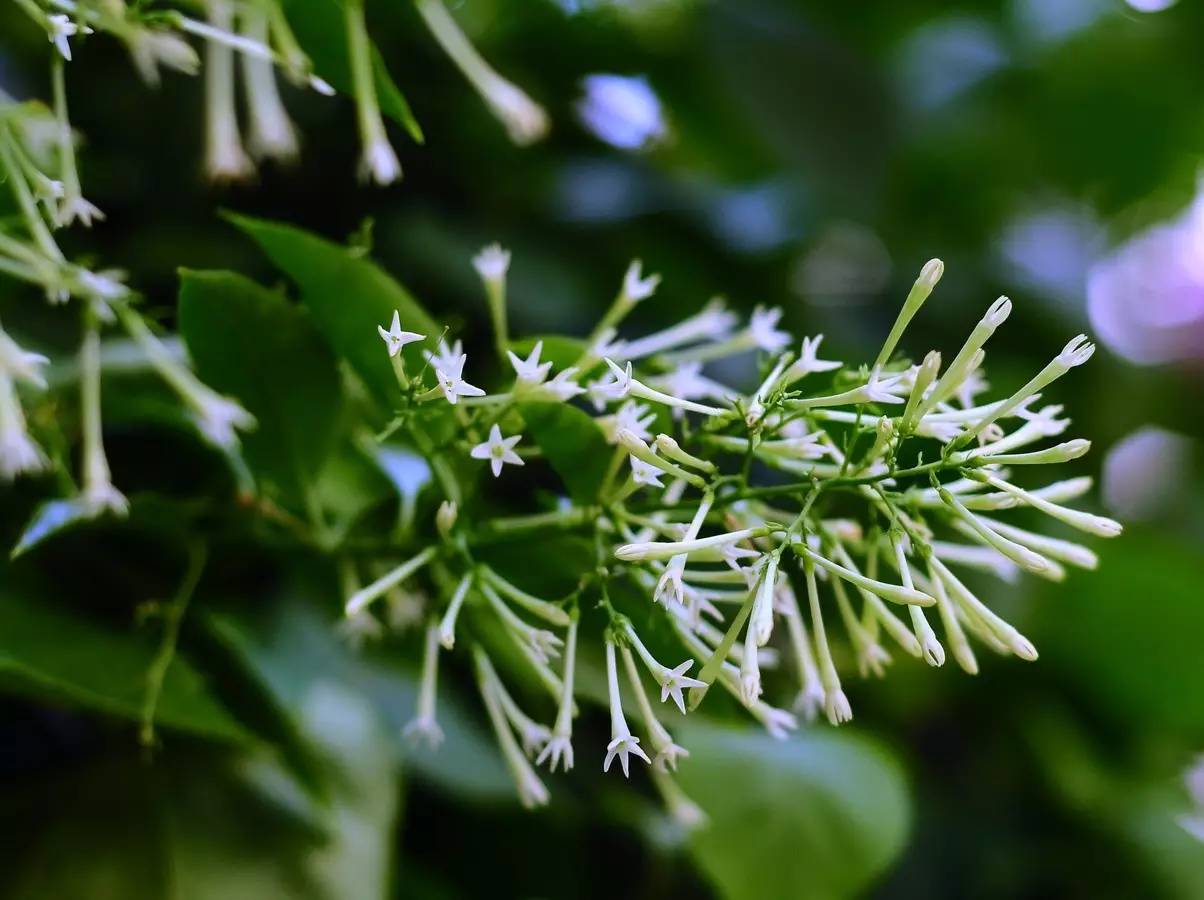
x=806, y=154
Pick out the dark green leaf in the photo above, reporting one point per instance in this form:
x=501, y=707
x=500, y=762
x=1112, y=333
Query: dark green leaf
x=322, y=33
x=573, y=444
x=349, y=296
x=817, y=816
x=254, y=345
x=52, y=654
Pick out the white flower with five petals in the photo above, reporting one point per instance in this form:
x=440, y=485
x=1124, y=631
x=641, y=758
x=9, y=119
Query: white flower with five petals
x=450, y=375
x=498, y=450
x=395, y=338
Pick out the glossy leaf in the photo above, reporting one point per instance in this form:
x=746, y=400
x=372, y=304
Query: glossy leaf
x=252, y=344
x=63, y=657
x=573, y=444
x=348, y=296
x=817, y=816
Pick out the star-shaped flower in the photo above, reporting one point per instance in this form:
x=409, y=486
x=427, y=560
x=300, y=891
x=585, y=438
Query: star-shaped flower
x=645, y=474
x=61, y=28
x=808, y=360
x=763, y=328
x=450, y=375
x=564, y=386
x=635, y=286
x=559, y=750
x=492, y=262
x=530, y=370
x=672, y=681
x=622, y=746
x=631, y=416
x=445, y=355
x=498, y=450
x=395, y=338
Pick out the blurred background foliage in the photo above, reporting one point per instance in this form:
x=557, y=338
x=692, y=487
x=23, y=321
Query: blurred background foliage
x=813, y=156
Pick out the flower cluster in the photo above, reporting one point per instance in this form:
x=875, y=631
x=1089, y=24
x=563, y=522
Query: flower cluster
x=258, y=33
x=826, y=516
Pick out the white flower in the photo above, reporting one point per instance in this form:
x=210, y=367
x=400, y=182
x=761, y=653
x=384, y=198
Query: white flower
x=763, y=330
x=687, y=382
x=105, y=285
x=808, y=361
x=379, y=162
x=623, y=742
x=636, y=287
x=20, y=364
x=450, y=375
x=76, y=208
x=395, y=338
x=673, y=681
x=620, y=384
x=492, y=263
x=445, y=355
x=359, y=628
x=1076, y=352
x=61, y=28
x=19, y=455
x=778, y=722
x=498, y=450
x=219, y=418
x=530, y=370
x=525, y=120
x=152, y=48
x=631, y=416
x=882, y=390
x=103, y=497
x=564, y=386
x=423, y=729
x=644, y=473
x=557, y=751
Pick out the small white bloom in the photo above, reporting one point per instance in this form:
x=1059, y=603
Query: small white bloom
x=620, y=386
x=525, y=120
x=359, y=628
x=19, y=455
x=220, y=419
x=498, y=450
x=20, y=364
x=631, y=416
x=808, y=361
x=530, y=370
x=636, y=286
x=61, y=28
x=645, y=474
x=151, y=48
x=379, y=162
x=688, y=383
x=623, y=743
x=1076, y=352
x=450, y=375
x=104, y=497
x=564, y=386
x=423, y=729
x=673, y=681
x=445, y=355
x=882, y=390
x=75, y=208
x=492, y=263
x=557, y=751
x=778, y=722
x=763, y=329
x=395, y=338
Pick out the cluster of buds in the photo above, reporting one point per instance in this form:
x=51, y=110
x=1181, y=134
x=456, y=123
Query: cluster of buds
x=259, y=34
x=829, y=514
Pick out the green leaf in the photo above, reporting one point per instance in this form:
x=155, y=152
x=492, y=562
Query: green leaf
x=1119, y=632
x=349, y=296
x=817, y=816
x=321, y=30
x=573, y=444
x=291, y=648
x=254, y=345
x=52, y=654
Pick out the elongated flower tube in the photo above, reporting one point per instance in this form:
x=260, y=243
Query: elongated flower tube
x=424, y=726
x=622, y=742
x=964, y=362
x=1100, y=526
x=647, y=550
x=447, y=625
x=1020, y=555
x=928, y=277
x=559, y=748
x=836, y=704
x=376, y=589
x=225, y=158
x=531, y=791
x=667, y=752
